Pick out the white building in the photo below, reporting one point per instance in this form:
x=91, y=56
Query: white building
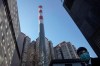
x=65, y=50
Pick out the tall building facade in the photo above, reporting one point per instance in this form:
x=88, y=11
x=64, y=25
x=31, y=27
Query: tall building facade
x=20, y=42
x=24, y=55
x=23, y=42
x=49, y=52
x=12, y=4
x=9, y=31
x=65, y=50
x=86, y=15
x=31, y=54
x=52, y=56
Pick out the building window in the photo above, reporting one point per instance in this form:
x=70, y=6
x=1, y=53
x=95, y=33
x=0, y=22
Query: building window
x=10, y=61
x=5, y=51
x=5, y=13
x=1, y=27
x=3, y=37
x=8, y=49
x=10, y=57
x=6, y=26
x=6, y=61
x=8, y=44
x=3, y=40
x=7, y=32
x=12, y=51
x=5, y=20
x=7, y=38
x=10, y=32
x=0, y=20
x=2, y=34
x=9, y=54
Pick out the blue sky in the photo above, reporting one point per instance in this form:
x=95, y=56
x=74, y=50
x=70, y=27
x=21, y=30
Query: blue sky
x=57, y=23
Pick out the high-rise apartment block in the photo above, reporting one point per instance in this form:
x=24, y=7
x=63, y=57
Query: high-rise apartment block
x=86, y=15
x=24, y=54
x=33, y=57
x=49, y=50
x=65, y=50
x=9, y=31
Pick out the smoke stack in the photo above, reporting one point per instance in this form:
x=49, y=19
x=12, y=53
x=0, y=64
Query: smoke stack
x=42, y=47
x=40, y=14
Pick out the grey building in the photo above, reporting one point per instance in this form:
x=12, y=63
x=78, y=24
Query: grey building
x=15, y=59
x=49, y=51
x=65, y=50
x=57, y=52
x=20, y=42
x=12, y=4
x=86, y=15
x=9, y=31
x=25, y=51
x=52, y=56
x=23, y=42
x=31, y=57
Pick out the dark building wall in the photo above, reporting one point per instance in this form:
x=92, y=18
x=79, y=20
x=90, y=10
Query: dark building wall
x=20, y=42
x=66, y=62
x=86, y=15
x=15, y=61
x=25, y=50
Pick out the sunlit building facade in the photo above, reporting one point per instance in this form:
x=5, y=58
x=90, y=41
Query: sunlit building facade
x=65, y=50
x=49, y=50
x=9, y=31
x=33, y=57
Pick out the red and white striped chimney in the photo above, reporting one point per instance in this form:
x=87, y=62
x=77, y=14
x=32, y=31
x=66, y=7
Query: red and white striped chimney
x=40, y=14
x=42, y=45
